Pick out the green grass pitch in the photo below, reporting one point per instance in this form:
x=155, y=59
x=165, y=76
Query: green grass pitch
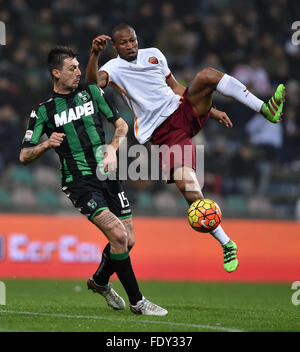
x=67, y=306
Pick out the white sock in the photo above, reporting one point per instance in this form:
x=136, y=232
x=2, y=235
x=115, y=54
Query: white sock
x=231, y=87
x=220, y=235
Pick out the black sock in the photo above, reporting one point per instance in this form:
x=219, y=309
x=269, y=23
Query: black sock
x=105, y=269
x=122, y=265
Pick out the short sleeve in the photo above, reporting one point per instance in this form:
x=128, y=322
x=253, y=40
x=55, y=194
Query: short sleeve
x=35, y=127
x=109, y=69
x=163, y=62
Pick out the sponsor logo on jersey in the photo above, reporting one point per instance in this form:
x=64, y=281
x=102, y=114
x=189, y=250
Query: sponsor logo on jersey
x=101, y=91
x=28, y=136
x=76, y=113
x=33, y=114
x=153, y=60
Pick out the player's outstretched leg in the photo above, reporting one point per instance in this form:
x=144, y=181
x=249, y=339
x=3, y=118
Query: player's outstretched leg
x=272, y=110
x=187, y=183
x=206, y=81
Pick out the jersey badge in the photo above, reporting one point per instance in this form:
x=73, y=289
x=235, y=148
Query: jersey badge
x=83, y=96
x=28, y=136
x=153, y=60
x=92, y=204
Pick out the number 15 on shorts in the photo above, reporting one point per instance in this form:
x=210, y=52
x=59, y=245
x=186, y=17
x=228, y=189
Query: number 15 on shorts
x=123, y=200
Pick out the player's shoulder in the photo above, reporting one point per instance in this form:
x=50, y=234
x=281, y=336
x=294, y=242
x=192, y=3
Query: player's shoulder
x=84, y=86
x=45, y=101
x=153, y=51
x=110, y=63
x=93, y=88
x=43, y=104
x=152, y=55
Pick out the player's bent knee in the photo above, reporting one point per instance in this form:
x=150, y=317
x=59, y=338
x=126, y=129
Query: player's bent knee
x=131, y=243
x=113, y=229
x=209, y=76
x=119, y=239
x=128, y=224
x=117, y=246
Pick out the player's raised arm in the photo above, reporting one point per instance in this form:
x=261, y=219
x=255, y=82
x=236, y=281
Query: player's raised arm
x=92, y=75
x=30, y=154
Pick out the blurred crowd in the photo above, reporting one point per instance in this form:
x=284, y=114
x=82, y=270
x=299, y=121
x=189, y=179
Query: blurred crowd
x=252, y=169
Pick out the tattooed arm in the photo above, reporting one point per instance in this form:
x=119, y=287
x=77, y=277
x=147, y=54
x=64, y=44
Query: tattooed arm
x=120, y=133
x=30, y=154
x=110, y=157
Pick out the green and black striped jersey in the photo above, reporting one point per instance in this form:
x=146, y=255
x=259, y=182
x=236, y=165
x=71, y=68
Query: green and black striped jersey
x=78, y=115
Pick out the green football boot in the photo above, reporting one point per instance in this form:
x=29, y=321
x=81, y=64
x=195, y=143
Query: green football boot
x=272, y=110
x=230, y=257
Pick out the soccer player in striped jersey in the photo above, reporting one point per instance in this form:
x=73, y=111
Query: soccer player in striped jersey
x=72, y=117
x=166, y=113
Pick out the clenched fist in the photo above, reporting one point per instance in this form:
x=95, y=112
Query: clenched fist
x=99, y=43
x=55, y=140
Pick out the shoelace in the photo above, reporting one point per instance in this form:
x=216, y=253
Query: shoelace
x=112, y=293
x=150, y=305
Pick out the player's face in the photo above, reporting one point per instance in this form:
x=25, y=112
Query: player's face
x=125, y=43
x=69, y=75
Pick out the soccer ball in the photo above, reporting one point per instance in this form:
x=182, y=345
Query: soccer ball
x=204, y=215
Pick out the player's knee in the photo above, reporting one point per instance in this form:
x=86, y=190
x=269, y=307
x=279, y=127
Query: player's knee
x=119, y=239
x=131, y=238
x=209, y=76
x=131, y=243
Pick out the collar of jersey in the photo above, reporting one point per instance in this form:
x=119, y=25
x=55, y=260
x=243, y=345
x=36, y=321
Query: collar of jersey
x=64, y=95
x=129, y=62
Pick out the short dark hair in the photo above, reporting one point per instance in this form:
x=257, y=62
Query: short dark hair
x=57, y=55
x=120, y=27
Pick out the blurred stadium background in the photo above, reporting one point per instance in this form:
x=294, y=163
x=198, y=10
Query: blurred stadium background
x=252, y=170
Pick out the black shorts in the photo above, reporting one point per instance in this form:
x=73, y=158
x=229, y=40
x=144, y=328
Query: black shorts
x=90, y=196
